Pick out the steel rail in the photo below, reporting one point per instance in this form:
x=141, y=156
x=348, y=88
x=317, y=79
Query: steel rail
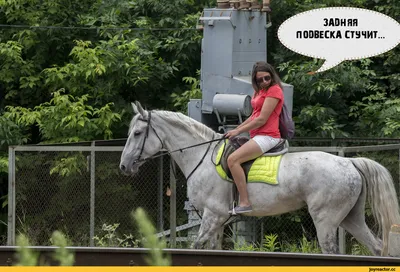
x=94, y=256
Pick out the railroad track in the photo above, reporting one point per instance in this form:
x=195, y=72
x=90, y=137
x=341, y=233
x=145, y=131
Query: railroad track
x=94, y=256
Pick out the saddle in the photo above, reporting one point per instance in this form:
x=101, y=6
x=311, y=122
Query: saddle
x=263, y=169
x=234, y=143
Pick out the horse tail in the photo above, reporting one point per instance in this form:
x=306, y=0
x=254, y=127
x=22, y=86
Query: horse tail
x=381, y=195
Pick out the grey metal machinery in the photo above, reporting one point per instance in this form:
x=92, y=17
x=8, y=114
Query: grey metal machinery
x=233, y=40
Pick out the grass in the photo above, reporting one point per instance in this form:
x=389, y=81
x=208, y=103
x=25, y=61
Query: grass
x=63, y=257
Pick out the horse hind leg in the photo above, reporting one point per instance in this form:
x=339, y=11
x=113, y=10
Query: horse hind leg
x=355, y=224
x=329, y=206
x=326, y=223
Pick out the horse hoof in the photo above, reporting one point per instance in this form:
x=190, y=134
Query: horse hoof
x=196, y=246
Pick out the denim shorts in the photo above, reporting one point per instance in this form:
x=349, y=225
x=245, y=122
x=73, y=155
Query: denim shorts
x=265, y=142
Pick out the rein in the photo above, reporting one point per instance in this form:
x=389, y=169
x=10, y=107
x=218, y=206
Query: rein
x=180, y=149
x=173, y=151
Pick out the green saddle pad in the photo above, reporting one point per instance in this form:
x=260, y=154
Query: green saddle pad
x=262, y=169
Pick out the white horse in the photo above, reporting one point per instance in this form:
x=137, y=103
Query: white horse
x=334, y=188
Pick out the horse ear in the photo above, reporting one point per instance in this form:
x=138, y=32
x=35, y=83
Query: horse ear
x=135, y=109
x=140, y=110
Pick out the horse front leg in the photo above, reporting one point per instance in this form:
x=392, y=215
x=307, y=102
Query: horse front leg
x=211, y=229
x=216, y=240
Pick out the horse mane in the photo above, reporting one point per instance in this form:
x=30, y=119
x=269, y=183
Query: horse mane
x=180, y=120
x=187, y=123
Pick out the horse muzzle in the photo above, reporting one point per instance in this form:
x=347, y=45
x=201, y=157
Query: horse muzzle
x=130, y=169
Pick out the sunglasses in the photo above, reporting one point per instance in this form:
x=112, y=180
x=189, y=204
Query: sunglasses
x=261, y=79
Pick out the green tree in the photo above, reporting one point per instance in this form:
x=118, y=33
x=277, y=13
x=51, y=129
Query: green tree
x=71, y=76
x=66, y=118
x=343, y=101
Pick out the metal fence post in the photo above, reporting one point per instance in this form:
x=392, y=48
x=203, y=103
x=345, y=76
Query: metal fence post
x=11, y=197
x=92, y=191
x=160, y=221
x=172, y=204
x=342, y=232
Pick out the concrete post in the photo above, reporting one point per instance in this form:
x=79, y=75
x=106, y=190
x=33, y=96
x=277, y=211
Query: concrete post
x=92, y=193
x=11, y=197
x=172, y=205
x=342, y=232
x=244, y=232
x=394, y=241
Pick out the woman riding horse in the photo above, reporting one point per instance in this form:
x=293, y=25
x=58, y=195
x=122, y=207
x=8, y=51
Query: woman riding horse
x=263, y=125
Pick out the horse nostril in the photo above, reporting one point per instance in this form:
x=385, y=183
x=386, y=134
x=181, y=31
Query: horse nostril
x=122, y=167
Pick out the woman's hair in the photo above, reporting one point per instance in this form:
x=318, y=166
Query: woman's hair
x=262, y=66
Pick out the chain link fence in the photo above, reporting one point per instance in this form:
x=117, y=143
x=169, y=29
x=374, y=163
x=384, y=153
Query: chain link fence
x=80, y=191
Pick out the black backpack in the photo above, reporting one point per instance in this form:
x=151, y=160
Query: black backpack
x=286, y=124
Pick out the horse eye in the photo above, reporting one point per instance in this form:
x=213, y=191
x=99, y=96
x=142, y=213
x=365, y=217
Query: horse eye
x=136, y=133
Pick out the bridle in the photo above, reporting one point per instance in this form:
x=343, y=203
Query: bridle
x=140, y=159
x=145, y=138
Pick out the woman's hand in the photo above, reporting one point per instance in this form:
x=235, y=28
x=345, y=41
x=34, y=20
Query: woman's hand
x=232, y=133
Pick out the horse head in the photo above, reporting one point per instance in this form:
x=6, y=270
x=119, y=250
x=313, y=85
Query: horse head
x=142, y=142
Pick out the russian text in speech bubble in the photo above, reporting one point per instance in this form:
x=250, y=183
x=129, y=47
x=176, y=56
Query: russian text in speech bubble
x=339, y=33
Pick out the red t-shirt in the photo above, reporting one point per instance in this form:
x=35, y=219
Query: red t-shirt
x=271, y=127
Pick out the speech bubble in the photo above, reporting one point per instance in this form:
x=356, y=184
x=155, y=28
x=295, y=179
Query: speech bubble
x=339, y=33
